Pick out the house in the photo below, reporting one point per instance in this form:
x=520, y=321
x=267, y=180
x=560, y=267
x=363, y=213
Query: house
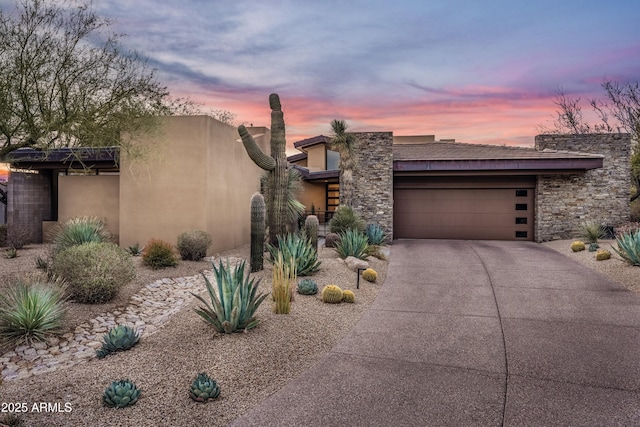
x=417, y=187
x=195, y=174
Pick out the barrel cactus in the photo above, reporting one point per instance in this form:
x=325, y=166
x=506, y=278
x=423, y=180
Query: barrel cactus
x=204, y=388
x=119, y=338
x=603, y=255
x=307, y=287
x=332, y=294
x=348, y=296
x=121, y=394
x=311, y=225
x=369, y=275
x=577, y=246
x=258, y=211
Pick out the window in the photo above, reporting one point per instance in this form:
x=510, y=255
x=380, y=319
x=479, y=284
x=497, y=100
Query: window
x=333, y=158
x=521, y=220
x=521, y=193
x=521, y=206
x=521, y=234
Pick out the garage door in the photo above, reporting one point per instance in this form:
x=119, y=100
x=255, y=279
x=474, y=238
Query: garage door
x=483, y=208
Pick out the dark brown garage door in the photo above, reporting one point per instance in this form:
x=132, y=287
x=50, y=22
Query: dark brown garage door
x=483, y=208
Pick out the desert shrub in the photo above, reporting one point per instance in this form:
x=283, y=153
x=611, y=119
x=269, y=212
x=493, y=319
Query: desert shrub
x=344, y=218
x=299, y=249
x=18, y=236
x=352, y=243
x=376, y=235
x=159, y=254
x=331, y=240
x=192, y=245
x=94, y=271
x=232, y=307
x=628, y=228
x=629, y=247
x=577, y=246
x=77, y=231
x=591, y=231
x=31, y=309
x=375, y=251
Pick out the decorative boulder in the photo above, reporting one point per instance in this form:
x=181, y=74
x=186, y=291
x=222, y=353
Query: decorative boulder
x=354, y=263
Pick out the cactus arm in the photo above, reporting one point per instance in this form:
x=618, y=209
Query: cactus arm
x=255, y=153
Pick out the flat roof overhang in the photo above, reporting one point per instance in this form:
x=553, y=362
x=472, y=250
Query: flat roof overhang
x=316, y=176
x=65, y=158
x=516, y=166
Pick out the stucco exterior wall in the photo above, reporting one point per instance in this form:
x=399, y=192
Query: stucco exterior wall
x=313, y=194
x=316, y=158
x=373, y=178
x=94, y=195
x=197, y=176
x=563, y=202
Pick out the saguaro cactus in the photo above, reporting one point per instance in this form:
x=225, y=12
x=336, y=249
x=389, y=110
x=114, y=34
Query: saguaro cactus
x=258, y=210
x=311, y=229
x=277, y=167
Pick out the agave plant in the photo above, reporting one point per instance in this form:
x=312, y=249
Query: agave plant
x=307, y=287
x=135, y=250
x=376, y=235
x=298, y=248
x=629, y=247
x=119, y=338
x=121, y=394
x=234, y=304
x=204, y=388
x=30, y=310
x=352, y=243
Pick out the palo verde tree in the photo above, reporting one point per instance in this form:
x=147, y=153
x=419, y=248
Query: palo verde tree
x=344, y=143
x=619, y=111
x=66, y=81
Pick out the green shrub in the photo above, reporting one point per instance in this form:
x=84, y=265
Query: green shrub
x=94, y=271
x=629, y=247
x=344, y=218
x=31, y=309
x=193, y=245
x=18, y=236
x=159, y=254
x=233, y=307
x=591, y=231
x=77, y=231
x=298, y=248
x=352, y=243
x=376, y=235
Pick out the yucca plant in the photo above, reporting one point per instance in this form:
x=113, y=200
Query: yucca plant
x=284, y=276
x=352, y=243
x=629, y=247
x=234, y=304
x=299, y=249
x=119, y=338
x=30, y=310
x=77, y=231
x=591, y=231
x=376, y=235
x=344, y=218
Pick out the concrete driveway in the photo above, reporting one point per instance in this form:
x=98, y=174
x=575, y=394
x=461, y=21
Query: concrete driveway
x=476, y=333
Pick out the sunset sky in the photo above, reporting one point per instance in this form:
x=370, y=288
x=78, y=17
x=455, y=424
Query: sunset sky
x=477, y=71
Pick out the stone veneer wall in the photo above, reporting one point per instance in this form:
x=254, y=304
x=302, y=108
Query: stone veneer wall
x=563, y=202
x=373, y=178
x=29, y=202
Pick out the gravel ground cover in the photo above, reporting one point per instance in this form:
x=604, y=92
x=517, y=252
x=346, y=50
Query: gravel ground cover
x=248, y=366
